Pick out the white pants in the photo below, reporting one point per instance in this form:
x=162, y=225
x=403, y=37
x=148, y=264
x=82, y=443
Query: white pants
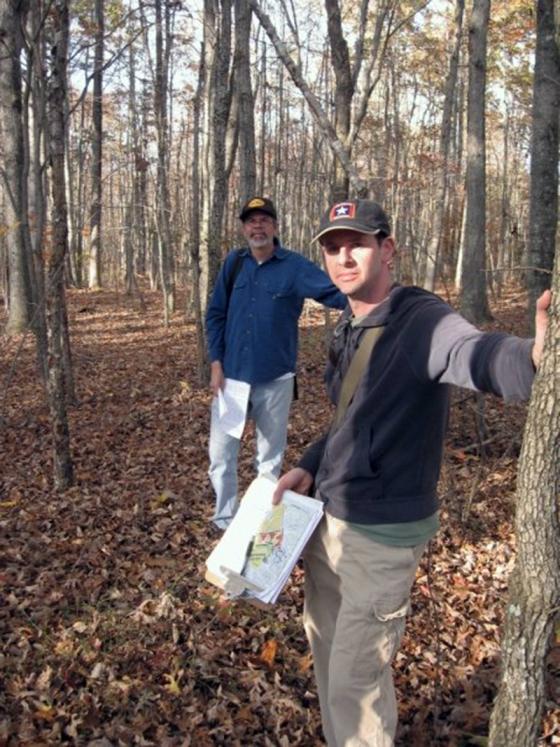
x=269, y=407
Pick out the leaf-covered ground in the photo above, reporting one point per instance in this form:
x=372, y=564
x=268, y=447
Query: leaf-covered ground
x=109, y=634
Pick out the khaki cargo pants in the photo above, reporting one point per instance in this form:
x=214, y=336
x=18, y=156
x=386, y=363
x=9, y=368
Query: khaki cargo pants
x=356, y=598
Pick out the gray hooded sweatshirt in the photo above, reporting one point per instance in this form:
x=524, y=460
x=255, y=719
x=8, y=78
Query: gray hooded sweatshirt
x=381, y=464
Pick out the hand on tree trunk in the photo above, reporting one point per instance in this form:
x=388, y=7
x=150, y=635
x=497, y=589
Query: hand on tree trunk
x=541, y=323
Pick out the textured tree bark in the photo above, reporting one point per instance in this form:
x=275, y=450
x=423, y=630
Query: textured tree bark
x=56, y=30
x=12, y=20
x=444, y=142
x=245, y=101
x=543, y=213
x=202, y=369
x=217, y=100
x=343, y=94
x=534, y=596
x=165, y=249
x=474, y=303
x=36, y=198
x=94, y=265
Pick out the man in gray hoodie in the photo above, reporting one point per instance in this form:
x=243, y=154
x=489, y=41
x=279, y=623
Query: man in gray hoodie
x=377, y=468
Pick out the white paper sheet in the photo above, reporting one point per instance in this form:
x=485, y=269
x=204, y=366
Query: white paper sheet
x=301, y=516
x=233, y=401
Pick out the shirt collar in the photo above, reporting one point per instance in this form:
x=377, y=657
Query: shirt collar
x=379, y=315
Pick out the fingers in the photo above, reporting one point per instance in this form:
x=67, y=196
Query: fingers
x=278, y=492
x=217, y=378
x=541, y=323
x=216, y=383
x=297, y=479
x=543, y=301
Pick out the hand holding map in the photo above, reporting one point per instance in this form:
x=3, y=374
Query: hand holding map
x=259, y=549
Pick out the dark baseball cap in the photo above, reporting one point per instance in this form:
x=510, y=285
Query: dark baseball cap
x=364, y=216
x=258, y=203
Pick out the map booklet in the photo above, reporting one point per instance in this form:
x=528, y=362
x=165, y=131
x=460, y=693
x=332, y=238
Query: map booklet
x=258, y=550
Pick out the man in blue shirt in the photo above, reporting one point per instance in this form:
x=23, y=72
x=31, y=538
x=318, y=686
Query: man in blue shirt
x=252, y=333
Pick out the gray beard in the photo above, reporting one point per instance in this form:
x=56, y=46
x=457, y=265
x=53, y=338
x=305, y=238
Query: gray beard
x=259, y=243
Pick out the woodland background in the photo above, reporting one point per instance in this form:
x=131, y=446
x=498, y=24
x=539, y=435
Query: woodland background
x=131, y=134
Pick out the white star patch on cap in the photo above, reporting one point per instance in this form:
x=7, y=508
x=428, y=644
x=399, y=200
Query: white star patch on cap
x=343, y=210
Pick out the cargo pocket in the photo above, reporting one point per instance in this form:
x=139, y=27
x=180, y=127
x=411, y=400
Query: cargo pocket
x=380, y=637
x=387, y=609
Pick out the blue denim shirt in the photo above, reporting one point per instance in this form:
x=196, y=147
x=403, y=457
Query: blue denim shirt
x=256, y=336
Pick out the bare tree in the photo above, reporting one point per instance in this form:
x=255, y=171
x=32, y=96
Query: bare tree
x=543, y=216
x=161, y=89
x=344, y=88
x=56, y=30
x=474, y=302
x=357, y=184
x=534, y=585
x=217, y=100
x=94, y=275
x=245, y=101
x=12, y=22
x=34, y=137
x=194, y=253
x=443, y=153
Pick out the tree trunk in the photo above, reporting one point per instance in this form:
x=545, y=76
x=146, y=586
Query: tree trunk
x=34, y=132
x=343, y=94
x=12, y=20
x=543, y=216
x=163, y=41
x=505, y=203
x=444, y=143
x=194, y=253
x=534, y=587
x=217, y=98
x=56, y=28
x=94, y=275
x=534, y=597
x=245, y=102
x=76, y=155
x=474, y=302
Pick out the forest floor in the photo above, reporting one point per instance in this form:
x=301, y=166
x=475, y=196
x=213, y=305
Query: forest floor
x=109, y=633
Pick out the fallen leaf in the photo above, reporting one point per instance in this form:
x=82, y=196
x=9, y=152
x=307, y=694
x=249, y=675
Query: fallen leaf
x=268, y=652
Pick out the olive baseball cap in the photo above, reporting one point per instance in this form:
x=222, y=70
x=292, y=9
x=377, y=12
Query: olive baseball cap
x=364, y=216
x=258, y=203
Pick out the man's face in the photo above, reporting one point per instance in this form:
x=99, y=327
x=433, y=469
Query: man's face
x=357, y=262
x=259, y=230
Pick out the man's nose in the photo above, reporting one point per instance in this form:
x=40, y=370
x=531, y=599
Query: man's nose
x=344, y=255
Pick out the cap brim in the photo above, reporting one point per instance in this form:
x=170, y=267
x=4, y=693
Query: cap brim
x=243, y=216
x=348, y=227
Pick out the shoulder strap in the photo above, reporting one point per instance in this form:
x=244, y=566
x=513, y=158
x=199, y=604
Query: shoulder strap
x=234, y=272
x=356, y=370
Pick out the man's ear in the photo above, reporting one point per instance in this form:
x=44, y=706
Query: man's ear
x=388, y=249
